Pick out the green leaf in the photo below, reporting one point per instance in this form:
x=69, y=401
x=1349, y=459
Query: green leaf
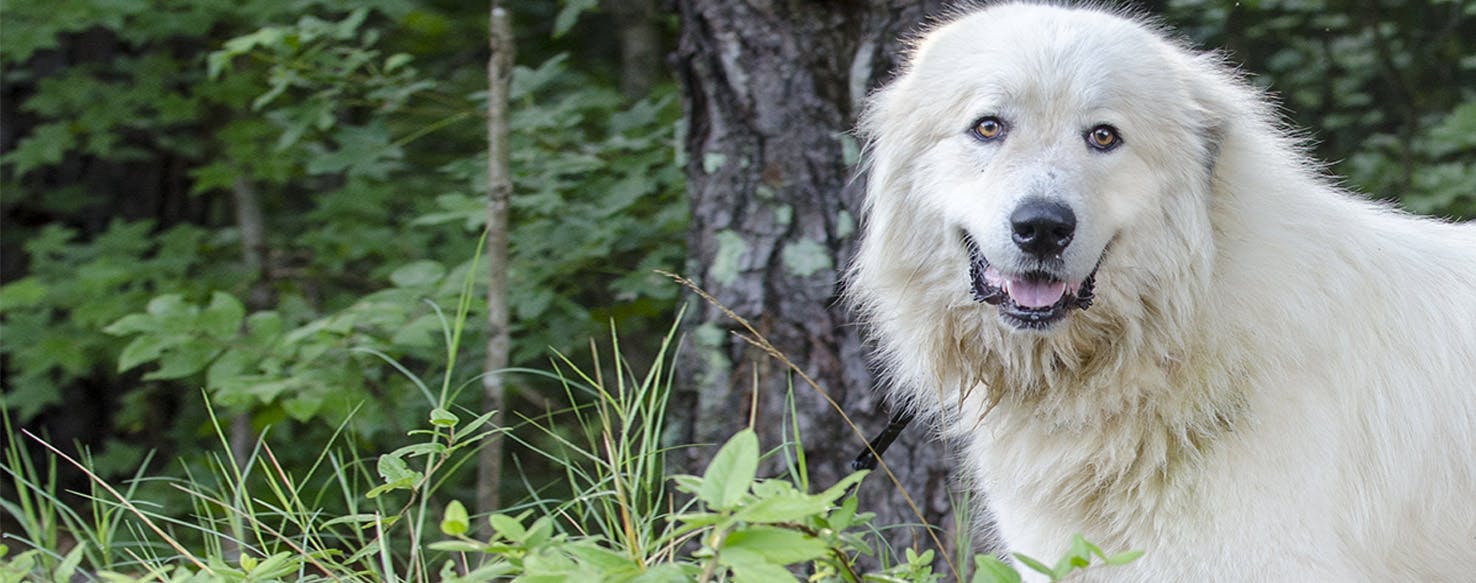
x=834, y=492
x=840, y=519
x=731, y=472
x=132, y=324
x=688, y=484
x=662, y=573
x=1034, y=565
x=68, y=565
x=751, y=567
x=1123, y=558
x=783, y=508
x=569, y=15
x=47, y=144
x=456, y=546
x=222, y=318
x=609, y=563
x=442, y=418
x=24, y=293
x=146, y=348
x=394, y=469
x=989, y=569
x=168, y=305
x=396, y=61
x=776, y=545
x=510, y=528
x=184, y=360
x=455, y=521
x=422, y=273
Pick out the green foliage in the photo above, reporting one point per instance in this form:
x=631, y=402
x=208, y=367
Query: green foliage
x=748, y=529
x=358, y=129
x=252, y=519
x=1384, y=95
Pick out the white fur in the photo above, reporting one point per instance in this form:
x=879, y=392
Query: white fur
x=1277, y=381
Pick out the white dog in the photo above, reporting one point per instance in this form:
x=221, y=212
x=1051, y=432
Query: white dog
x=1096, y=257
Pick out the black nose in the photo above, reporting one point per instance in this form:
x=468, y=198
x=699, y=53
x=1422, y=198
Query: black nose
x=1043, y=228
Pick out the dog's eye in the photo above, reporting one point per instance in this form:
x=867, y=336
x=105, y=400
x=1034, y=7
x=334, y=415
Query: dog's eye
x=1103, y=137
x=988, y=128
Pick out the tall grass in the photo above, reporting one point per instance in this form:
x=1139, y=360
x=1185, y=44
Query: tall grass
x=352, y=515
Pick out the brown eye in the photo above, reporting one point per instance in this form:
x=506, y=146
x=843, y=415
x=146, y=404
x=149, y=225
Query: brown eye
x=1103, y=137
x=988, y=128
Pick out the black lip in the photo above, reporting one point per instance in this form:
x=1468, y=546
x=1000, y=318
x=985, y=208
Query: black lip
x=1014, y=314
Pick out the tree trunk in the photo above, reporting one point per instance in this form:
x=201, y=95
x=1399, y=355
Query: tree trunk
x=252, y=227
x=640, y=45
x=499, y=189
x=772, y=89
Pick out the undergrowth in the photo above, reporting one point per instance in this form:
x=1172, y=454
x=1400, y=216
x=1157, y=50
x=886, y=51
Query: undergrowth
x=367, y=516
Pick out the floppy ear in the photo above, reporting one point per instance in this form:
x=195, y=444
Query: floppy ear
x=1225, y=107
x=1214, y=90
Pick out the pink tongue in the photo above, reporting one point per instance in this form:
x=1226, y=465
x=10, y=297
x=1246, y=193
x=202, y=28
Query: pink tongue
x=1031, y=294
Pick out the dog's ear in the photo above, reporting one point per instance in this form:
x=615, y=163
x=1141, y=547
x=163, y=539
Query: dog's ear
x=1223, y=102
x=1214, y=107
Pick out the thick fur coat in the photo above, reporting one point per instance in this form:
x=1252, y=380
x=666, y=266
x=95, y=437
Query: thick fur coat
x=1275, y=379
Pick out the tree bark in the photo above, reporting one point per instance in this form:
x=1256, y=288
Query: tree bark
x=499, y=187
x=252, y=226
x=772, y=89
x=640, y=45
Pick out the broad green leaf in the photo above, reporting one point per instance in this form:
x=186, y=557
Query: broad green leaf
x=415, y=449
x=227, y=370
x=418, y=274
x=751, y=567
x=731, y=471
x=539, y=532
x=989, y=569
x=168, y=305
x=68, y=565
x=687, y=483
x=834, y=492
x=783, y=508
x=46, y=144
x=146, y=348
x=277, y=566
x=222, y=318
x=442, y=418
x=510, y=528
x=608, y=562
x=393, y=469
x=24, y=293
x=184, y=360
x=840, y=519
x=663, y=573
x=776, y=545
x=1034, y=565
x=455, y=522
x=132, y=324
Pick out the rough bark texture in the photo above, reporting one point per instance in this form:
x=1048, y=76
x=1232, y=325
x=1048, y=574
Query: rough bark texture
x=499, y=186
x=772, y=91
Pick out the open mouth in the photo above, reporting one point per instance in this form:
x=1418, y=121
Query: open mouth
x=1034, y=300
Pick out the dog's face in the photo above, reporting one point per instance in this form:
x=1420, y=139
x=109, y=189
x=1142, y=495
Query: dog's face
x=1043, y=137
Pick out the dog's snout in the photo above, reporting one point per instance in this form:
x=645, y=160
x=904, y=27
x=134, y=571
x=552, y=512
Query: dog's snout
x=1043, y=228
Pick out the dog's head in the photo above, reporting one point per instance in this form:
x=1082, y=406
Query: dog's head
x=1023, y=145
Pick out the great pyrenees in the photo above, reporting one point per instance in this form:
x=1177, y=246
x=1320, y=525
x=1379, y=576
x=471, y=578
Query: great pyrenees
x=1096, y=258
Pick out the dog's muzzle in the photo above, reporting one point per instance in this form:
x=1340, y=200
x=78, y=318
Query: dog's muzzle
x=1033, y=300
